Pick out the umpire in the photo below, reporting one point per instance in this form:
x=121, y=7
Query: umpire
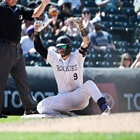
x=11, y=55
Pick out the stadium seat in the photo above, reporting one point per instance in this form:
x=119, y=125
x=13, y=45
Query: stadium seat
x=105, y=18
x=89, y=4
x=116, y=37
x=137, y=47
x=108, y=24
x=114, y=12
x=111, y=64
x=128, y=11
x=132, y=51
x=118, y=18
x=128, y=4
x=77, y=12
x=112, y=55
x=121, y=44
x=134, y=19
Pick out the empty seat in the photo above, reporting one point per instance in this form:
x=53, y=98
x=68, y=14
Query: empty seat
x=108, y=24
x=134, y=19
x=111, y=64
x=121, y=44
x=105, y=18
x=93, y=64
x=77, y=12
x=137, y=47
x=118, y=26
x=128, y=11
x=113, y=55
x=118, y=18
x=128, y=4
x=116, y=37
x=132, y=51
x=89, y=4
x=114, y=12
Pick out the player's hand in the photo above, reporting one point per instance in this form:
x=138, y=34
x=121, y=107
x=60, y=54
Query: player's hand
x=79, y=22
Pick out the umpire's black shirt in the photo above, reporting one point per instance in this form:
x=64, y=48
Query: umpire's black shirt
x=11, y=19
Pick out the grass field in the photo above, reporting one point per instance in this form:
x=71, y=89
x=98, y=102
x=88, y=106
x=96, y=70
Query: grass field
x=68, y=136
x=13, y=135
x=11, y=119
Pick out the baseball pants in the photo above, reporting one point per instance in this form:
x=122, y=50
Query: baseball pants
x=75, y=100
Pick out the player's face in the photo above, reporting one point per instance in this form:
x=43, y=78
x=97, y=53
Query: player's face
x=61, y=50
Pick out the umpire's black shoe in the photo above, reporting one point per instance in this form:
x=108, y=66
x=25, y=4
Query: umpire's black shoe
x=3, y=116
x=30, y=112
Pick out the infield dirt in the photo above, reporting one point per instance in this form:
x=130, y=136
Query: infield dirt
x=119, y=122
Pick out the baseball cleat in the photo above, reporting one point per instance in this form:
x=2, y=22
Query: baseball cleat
x=30, y=112
x=107, y=111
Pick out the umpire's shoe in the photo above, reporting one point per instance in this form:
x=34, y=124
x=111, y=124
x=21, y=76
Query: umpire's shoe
x=3, y=116
x=31, y=111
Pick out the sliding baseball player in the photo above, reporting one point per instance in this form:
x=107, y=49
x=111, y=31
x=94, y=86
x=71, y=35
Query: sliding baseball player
x=73, y=94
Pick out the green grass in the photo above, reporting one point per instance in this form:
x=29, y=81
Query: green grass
x=11, y=119
x=68, y=136
x=61, y=136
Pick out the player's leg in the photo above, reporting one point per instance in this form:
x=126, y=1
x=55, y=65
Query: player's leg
x=96, y=95
x=76, y=100
x=63, y=102
x=82, y=95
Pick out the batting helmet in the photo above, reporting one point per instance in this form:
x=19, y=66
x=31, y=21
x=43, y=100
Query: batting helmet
x=64, y=40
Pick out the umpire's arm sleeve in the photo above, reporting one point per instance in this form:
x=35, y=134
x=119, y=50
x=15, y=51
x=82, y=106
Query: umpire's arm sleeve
x=39, y=47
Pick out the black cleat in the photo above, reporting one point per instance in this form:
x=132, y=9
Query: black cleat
x=30, y=112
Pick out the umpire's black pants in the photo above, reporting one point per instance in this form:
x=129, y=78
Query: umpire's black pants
x=12, y=61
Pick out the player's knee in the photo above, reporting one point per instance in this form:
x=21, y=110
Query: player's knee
x=40, y=107
x=89, y=82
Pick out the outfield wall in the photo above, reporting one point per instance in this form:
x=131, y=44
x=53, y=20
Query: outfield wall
x=121, y=88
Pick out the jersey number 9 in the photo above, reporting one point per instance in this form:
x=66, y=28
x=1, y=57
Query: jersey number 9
x=75, y=76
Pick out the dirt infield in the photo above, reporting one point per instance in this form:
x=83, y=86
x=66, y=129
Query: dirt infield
x=119, y=122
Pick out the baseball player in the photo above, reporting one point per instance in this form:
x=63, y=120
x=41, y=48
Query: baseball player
x=68, y=70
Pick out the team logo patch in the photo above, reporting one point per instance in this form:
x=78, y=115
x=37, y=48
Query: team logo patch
x=20, y=17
